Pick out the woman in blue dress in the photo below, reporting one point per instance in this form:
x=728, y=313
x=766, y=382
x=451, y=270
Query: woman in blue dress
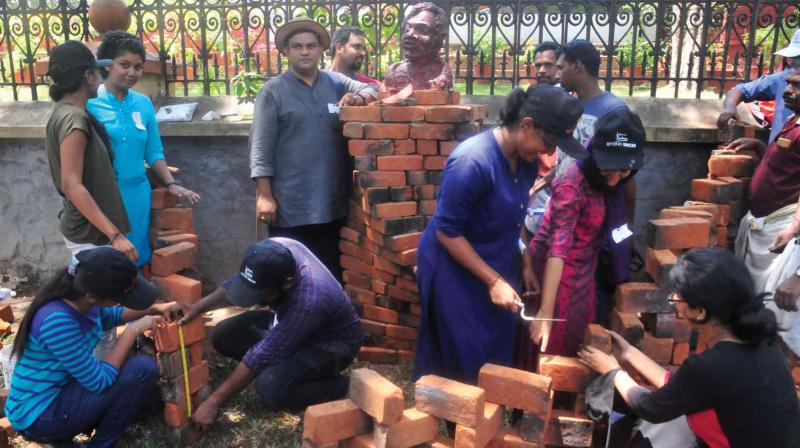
x=130, y=120
x=469, y=270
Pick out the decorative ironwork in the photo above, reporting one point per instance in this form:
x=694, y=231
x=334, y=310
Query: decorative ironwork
x=646, y=45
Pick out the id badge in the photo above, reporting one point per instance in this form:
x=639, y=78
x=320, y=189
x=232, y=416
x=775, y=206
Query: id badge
x=137, y=121
x=621, y=233
x=333, y=108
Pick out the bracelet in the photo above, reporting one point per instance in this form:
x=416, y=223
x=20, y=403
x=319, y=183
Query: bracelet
x=174, y=182
x=494, y=281
x=116, y=235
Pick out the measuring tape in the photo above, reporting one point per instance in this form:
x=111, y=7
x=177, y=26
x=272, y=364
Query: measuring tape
x=185, y=373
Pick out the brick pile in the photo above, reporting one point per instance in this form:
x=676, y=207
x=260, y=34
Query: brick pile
x=399, y=153
x=375, y=415
x=6, y=431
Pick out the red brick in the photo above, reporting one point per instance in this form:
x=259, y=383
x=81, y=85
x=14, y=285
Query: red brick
x=415, y=309
x=427, y=207
x=684, y=212
x=309, y=444
x=486, y=430
x=402, y=258
x=660, y=325
x=628, y=326
x=395, y=209
x=359, y=295
x=515, y=388
x=350, y=235
x=403, y=242
x=576, y=432
x=380, y=314
x=678, y=233
x=450, y=400
x=376, y=396
x=434, y=97
x=4, y=443
x=5, y=328
x=7, y=314
x=353, y=130
x=509, y=437
x=377, y=355
x=440, y=442
x=381, y=275
x=179, y=288
x=658, y=349
x=172, y=259
x=402, y=294
x=355, y=265
x=427, y=147
x=377, y=286
x=449, y=114
x=735, y=165
x=658, y=263
x=155, y=233
x=398, y=331
x=373, y=328
x=173, y=390
x=430, y=131
x=597, y=337
x=568, y=374
x=401, y=194
x=680, y=351
x=162, y=198
x=400, y=163
x=382, y=179
x=638, y=297
x=682, y=331
x=386, y=265
x=405, y=147
x=167, y=339
x=720, y=211
x=359, y=148
x=334, y=421
x=348, y=248
x=435, y=162
x=365, y=441
x=360, y=113
x=403, y=113
x=413, y=429
x=169, y=240
x=171, y=364
x=391, y=343
x=424, y=192
x=386, y=130
x=172, y=219
x=714, y=191
x=410, y=285
x=446, y=147
x=721, y=237
x=175, y=412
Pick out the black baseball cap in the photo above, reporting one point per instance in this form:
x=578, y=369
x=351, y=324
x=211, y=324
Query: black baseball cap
x=265, y=266
x=72, y=55
x=618, y=141
x=109, y=274
x=556, y=112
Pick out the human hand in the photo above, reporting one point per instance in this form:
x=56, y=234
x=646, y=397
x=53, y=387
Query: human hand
x=503, y=295
x=540, y=330
x=121, y=243
x=787, y=292
x=786, y=235
x=165, y=310
x=745, y=144
x=267, y=209
x=352, y=99
x=205, y=414
x=530, y=284
x=183, y=192
x=725, y=117
x=621, y=347
x=145, y=323
x=597, y=360
x=189, y=311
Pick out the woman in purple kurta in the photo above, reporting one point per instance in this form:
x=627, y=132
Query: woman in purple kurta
x=469, y=269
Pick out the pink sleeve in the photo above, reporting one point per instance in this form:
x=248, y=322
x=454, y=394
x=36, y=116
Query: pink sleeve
x=564, y=209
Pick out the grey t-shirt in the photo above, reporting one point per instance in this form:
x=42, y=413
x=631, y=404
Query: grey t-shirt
x=296, y=140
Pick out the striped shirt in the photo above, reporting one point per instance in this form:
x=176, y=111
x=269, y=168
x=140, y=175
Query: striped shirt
x=59, y=351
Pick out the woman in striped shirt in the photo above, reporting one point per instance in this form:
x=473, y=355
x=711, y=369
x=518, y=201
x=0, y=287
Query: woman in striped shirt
x=59, y=388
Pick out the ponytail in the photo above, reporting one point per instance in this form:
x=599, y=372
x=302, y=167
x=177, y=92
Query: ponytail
x=510, y=114
x=755, y=323
x=66, y=83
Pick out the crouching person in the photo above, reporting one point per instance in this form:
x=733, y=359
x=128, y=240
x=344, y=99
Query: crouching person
x=59, y=389
x=296, y=349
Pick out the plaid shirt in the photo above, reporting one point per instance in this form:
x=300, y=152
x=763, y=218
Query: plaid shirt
x=314, y=312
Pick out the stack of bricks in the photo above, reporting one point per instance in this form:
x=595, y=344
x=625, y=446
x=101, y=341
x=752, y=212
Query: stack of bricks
x=375, y=415
x=6, y=431
x=400, y=153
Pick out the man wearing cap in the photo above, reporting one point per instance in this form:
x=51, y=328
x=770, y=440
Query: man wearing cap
x=294, y=351
x=297, y=154
x=767, y=239
x=766, y=88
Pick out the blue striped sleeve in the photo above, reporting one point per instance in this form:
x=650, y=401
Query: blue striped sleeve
x=110, y=317
x=62, y=336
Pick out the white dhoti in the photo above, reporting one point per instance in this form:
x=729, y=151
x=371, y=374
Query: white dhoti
x=755, y=237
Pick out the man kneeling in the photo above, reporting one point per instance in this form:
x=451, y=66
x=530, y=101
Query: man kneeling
x=297, y=348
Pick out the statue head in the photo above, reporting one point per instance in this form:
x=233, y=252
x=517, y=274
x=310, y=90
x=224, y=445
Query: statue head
x=423, y=32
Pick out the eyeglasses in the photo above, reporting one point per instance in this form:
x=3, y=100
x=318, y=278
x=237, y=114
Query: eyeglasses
x=673, y=298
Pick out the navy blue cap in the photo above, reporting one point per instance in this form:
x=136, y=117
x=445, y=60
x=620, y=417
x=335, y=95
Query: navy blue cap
x=618, y=142
x=556, y=112
x=72, y=55
x=266, y=265
x=108, y=274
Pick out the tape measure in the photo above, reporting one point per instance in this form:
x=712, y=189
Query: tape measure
x=185, y=373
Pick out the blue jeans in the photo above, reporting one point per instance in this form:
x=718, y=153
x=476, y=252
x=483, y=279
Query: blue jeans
x=134, y=394
x=308, y=376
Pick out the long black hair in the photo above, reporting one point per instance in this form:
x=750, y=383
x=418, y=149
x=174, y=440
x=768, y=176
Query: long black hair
x=70, y=82
x=59, y=286
x=715, y=280
x=117, y=43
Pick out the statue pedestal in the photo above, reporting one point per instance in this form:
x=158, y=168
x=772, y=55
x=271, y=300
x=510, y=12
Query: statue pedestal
x=400, y=154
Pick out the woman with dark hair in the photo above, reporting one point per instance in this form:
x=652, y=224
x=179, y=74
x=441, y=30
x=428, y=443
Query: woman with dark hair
x=130, y=120
x=587, y=201
x=59, y=388
x=468, y=264
x=738, y=392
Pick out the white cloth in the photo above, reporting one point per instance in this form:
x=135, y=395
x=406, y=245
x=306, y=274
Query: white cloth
x=755, y=237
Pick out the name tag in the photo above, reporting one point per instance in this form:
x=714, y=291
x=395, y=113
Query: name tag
x=784, y=143
x=137, y=121
x=621, y=233
x=333, y=109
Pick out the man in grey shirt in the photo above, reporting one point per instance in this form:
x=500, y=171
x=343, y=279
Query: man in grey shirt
x=297, y=153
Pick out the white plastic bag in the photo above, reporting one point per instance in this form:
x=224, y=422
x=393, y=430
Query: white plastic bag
x=176, y=112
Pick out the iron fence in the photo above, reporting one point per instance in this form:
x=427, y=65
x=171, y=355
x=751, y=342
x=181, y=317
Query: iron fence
x=646, y=45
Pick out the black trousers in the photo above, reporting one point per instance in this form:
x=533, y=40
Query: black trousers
x=321, y=239
x=308, y=376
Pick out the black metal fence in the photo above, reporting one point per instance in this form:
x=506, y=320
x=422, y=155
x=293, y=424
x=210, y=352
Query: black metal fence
x=646, y=45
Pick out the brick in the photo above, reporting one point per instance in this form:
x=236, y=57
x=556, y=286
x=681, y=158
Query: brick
x=390, y=343
x=678, y=233
x=398, y=226
x=479, y=436
x=167, y=338
x=350, y=235
x=405, y=147
x=435, y=178
x=155, y=233
x=568, y=374
x=682, y=331
x=440, y=442
x=378, y=355
x=7, y=314
x=175, y=412
x=720, y=211
x=576, y=432
x=714, y=191
x=680, y=351
x=638, y=297
x=427, y=147
x=597, y=337
x=515, y=388
x=509, y=437
x=386, y=265
x=360, y=113
x=403, y=242
x=447, y=147
x=401, y=194
x=413, y=429
x=334, y=421
x=376, y=396
x=373, y=328
x=359, y=295
x=433, y=97
x=450, y=400
x=448, y=114
x=348, y=248
x=427, y=207
x=353, y=130
x=382, y=179
x=435, y=162
x=660, y=325
x=403, y=258
x=402, y=294
x=431, y=131
x=407, y=284
x=532, y=426
x=172, y=219
x=658, y=349
x=377, y=286
x=403, y=113
x=380, y=314
x=628, y=326
x=5, y=328
x=658, y=263
x=365, y=441
x=179, y=288
x=309, y=444
x=169, y=240
x=399, y=331
x=400, y=163
x=683, y=212
x=386, y=130
x=721, y=237
x=408, y=320
x=364, y=163
x=181, y=436
x=424, y=192
x=735, y=165
x=172, y=259
x=171, y=364
x=173, y=390
x=162, y=198
x=354, y=264
x=364, y=148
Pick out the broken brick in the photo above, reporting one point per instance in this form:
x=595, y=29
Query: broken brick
x=7, y=313
x=450, y=400
x=660, y=325
x=576, y=432
x=435, y=162
x=353, y=129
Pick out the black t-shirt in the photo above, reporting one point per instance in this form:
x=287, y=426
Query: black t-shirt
x=751, y=390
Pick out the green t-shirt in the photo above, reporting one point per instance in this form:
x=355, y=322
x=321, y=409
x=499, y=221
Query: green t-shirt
x=98, y=175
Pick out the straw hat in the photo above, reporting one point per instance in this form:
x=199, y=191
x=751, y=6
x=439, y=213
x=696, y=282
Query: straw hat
x=305, y=24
